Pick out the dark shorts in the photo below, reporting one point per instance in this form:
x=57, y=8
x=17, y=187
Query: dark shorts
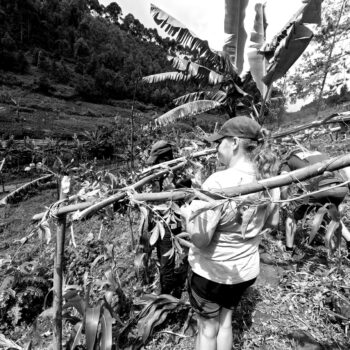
x=208, y=297
x=334, y=195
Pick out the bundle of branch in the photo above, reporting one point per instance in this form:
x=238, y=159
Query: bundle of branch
x=236, y=191
x=21, y=191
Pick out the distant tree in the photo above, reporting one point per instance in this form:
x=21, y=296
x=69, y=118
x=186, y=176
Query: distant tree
x=326, y=61
x=81, y=49
x=113, y=12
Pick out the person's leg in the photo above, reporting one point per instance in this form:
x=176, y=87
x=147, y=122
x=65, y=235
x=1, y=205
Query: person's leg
x=225, y=337
x=207, y=333
x=167, y=264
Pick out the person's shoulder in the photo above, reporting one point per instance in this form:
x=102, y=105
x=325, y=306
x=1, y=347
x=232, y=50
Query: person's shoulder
x=215, y=179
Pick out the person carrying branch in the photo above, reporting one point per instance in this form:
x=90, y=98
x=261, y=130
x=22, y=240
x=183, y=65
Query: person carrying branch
x=172, y=278
x=224, y=259
x=296, y=210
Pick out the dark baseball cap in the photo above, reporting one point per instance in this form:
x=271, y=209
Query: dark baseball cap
x=159, y=150
x=243, y=127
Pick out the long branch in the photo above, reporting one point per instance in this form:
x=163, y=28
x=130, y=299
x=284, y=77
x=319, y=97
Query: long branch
x=273, y=182
x=334, y=118
x=5, y=200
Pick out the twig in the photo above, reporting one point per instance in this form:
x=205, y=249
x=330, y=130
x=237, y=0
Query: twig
x=176, y=334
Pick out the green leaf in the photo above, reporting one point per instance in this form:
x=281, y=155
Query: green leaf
x=154, y=235
x=28, y=346
x=218, y=96
x=91, y=325
x=78, y=330
x=161, y=229
x=199, y=72
x=181, y=34
x=288, y=51
x=316, y=222
x=187, y=110
x=106, y=330
x=160, y=77
x=331, y=229
x=312, y=12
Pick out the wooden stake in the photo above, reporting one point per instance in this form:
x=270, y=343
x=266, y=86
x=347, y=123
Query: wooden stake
x=58, y=270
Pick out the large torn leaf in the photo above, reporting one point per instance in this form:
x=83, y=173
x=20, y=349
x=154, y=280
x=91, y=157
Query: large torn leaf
x=187, y=110
x=234, y=28
x=202, y=74
x=160, y=77
x=257, y=61
x=180, y=32
x=289, y=50
x=218, y=96
x=312, y=12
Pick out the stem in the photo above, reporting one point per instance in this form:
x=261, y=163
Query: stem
x=132, y=124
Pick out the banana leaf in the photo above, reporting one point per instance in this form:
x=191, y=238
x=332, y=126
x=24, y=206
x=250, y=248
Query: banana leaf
x=312, y=12
x=309, y=12
x=202, y=74
x=234, y=28
x=218, y=96
x=257, y=61
x=92, y=319
x=288, y=51
x=180, y=32
x=160, y=77
x=187, y=110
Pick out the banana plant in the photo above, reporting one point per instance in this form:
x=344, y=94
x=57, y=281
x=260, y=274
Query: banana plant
x=218, y=73
x=215, y=73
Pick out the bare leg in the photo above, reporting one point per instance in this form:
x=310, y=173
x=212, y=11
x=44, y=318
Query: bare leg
x=225, y=338
x=207, y=333
x=291, y=228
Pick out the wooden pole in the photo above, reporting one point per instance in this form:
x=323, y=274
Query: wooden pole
x=58, y=269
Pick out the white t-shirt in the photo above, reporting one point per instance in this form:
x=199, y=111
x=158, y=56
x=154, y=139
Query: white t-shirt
x=232, y=256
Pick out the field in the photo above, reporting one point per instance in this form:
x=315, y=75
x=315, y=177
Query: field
x=302, y=304
x=295, y=304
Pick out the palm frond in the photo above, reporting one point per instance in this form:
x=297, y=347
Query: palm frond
x=200, y=73
x=160, y=77
x=180, y=32
x=187, y=110
x=218, y=96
